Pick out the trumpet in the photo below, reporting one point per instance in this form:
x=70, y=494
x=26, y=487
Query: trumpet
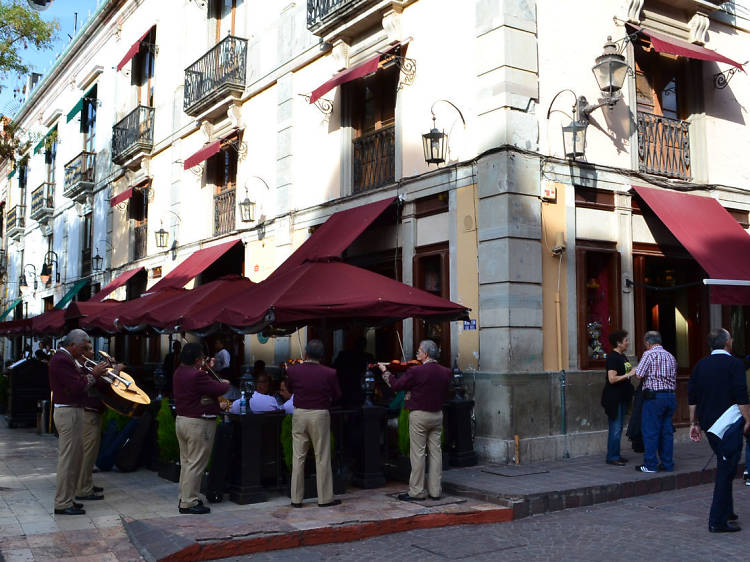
x=90, y=364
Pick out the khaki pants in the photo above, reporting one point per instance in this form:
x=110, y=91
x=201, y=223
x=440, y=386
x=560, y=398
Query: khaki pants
x=315, y=426
x=68, y=422
x=196, y=439
x=424, y=432
x=91, y=437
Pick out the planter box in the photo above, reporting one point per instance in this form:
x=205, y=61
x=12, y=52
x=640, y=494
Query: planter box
x=170, y=471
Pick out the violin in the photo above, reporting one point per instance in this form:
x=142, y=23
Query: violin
x=395, y=366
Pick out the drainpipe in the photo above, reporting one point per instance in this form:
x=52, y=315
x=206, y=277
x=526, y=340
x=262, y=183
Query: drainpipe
x=558, y=251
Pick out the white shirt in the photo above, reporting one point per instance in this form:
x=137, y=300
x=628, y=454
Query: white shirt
x=221, y=360
x=288, y=406
x=717, y=351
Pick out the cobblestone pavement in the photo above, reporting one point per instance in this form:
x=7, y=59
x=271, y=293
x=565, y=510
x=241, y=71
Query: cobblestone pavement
x=666, y=526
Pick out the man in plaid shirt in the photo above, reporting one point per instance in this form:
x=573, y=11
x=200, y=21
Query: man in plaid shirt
x=658, y=369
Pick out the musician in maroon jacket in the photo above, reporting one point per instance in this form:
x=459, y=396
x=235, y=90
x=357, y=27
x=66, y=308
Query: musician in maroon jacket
x=315, y=388
x=69, y=385
x=427, y=387
x=91, y=436
x=196, y=400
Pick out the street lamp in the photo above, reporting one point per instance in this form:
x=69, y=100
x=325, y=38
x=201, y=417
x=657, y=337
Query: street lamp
x=49, y=260
x=610, y=71
x=162, y=237
x=435, y=142
x=247, y=208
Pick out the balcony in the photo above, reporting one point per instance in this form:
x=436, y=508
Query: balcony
x=224, y=209
x=79, y=177
x=217, y=75
x=140, y=241
x=663, y=146
x=374, y=159
x=350, y=16
x=133, y=135
x=43, y=202
x=16, y=221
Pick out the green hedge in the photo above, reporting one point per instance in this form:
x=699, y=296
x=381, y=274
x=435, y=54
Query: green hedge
x=169, y=449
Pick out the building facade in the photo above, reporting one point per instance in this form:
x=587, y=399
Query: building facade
x=162, y=118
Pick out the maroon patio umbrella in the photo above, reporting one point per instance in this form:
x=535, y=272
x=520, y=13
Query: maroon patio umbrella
x=106, y=318
x=167, y=313
x=51, y=322
x=333, y=292
x=15, y=327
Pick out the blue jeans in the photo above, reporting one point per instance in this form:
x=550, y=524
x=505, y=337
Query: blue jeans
x=615, y=434
x=658, y=434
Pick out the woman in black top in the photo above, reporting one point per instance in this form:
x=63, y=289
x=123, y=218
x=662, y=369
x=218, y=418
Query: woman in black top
x=617, y=393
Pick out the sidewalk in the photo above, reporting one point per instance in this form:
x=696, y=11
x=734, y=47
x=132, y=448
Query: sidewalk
x=139, y=514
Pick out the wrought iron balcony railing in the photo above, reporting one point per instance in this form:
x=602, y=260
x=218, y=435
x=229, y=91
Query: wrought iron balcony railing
x=134, y=134
x=374, y=159
x=323, y=12
x=224, y=209
x=663, y=146
x=16, y=221
x=79, y=175
x=140, y=241
x=43, y=201
x=218, y=74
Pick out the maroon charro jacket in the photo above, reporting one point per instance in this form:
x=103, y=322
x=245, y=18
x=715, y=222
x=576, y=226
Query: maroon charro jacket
x=315, y=386
x=188, y=385
x=66, y=381
x=428, y=384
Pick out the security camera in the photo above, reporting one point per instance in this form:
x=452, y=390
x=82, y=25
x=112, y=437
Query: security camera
x=39, y=5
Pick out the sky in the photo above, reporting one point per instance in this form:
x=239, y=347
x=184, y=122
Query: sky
x=42, y=61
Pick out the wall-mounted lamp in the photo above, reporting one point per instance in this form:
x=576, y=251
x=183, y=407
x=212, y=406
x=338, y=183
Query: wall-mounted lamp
x=435, y=142
x=610, y=71
x=247, y=208
x=97, y=262
x=162, y=237
x=49, y=260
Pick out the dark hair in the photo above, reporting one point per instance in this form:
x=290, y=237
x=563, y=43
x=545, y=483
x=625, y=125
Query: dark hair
x=259, y=366
x=616, y=337
x=717, y=339
x=315, y=350
x=190, y=353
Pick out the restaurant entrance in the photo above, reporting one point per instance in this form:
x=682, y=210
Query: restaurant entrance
x=670, y=298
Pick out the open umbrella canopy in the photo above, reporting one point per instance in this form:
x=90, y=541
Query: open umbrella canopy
x=168, y=314
x=333, y=292
x=15, y=327
x=51, y=322
x=107, y=318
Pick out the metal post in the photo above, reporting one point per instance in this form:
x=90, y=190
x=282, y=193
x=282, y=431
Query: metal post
x=563, y=425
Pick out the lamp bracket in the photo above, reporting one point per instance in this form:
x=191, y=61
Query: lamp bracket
x=721, y=79
x=407, y=67
x=453, y=105
x=239, y=146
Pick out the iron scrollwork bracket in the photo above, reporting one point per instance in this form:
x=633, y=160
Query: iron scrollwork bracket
x=240, y=147
x=721, y=79
x=324, y=106
x=407, y=68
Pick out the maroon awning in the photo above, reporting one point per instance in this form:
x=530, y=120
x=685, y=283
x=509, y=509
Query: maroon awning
x=120, y=197
x=357, y=71
x=710, y=234
x=203, y=154
x=134, y=48
x=664, y=43
x=331, y=292
x=50, y=322
x=116, y=283
x=103, y=315
x=194, y=265
x=336, y=234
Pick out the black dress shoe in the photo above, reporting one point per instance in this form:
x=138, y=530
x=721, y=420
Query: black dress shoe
x=77, y=505
x=91, y=497
x=72, y=510
x=434, y=498
x=405, y=497
x=733, y=517
x=617, y=462
x=330, y=504
x=296, y=505
x=98, y=489
x=623, y=459
x=197, y=509
x=728, y=528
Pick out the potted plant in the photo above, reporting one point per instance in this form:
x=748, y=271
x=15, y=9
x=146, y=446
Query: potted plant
x=169, y=449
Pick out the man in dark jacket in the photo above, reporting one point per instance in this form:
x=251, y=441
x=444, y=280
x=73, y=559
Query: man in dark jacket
x=196, y=401
x=716, y=384
x=69, y=385
x=315, y=388
x=427, y=387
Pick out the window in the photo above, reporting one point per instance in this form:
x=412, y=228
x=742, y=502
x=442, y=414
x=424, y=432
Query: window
x=223, y=12
x=222, y=173
x=372, y=103
x=431, y=273
x=598, y=284
x=50, y=156
x=88, y=237
x=48, y=304
x=142, y=73
x=431, y=205
x=88, y=122
x=138, y=213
